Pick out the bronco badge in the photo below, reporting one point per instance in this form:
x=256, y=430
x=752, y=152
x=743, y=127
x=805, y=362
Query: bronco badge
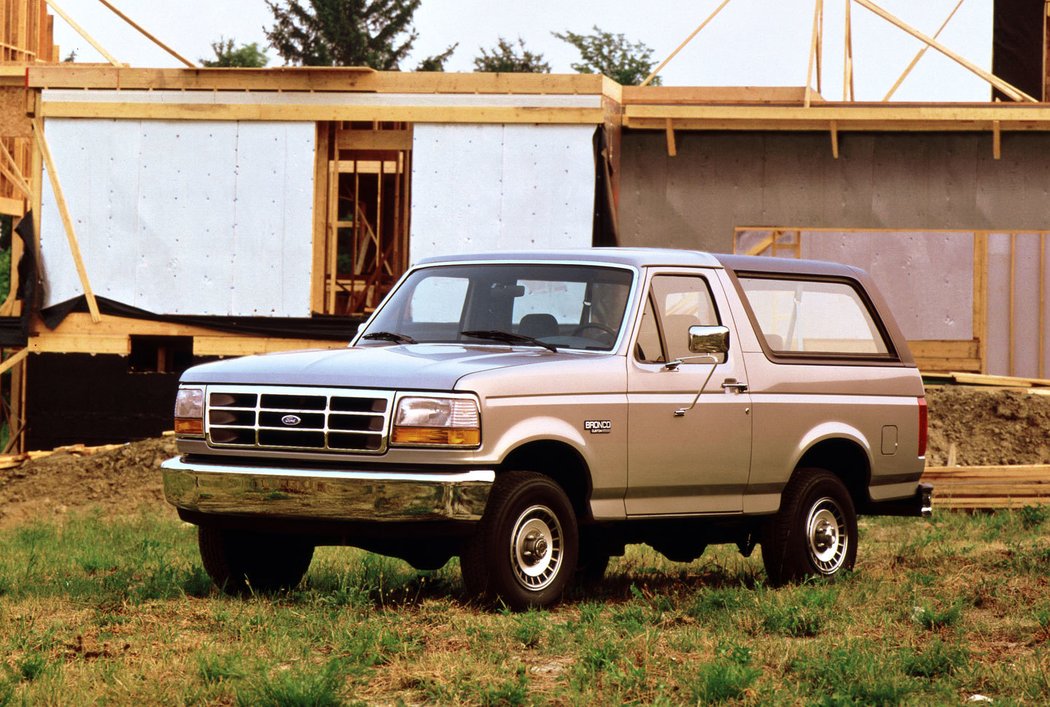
x=598, y=427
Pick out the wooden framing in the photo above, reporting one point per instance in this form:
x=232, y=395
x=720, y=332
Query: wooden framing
x=919, y=54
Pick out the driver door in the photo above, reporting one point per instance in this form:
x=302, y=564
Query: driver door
x=696, y=461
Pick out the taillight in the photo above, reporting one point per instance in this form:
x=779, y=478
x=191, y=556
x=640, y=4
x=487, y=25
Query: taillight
x=923, y=420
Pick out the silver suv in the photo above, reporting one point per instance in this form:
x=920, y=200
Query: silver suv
x=535, y=413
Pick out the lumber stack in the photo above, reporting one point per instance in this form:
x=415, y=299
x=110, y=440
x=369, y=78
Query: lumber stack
x=989, y=487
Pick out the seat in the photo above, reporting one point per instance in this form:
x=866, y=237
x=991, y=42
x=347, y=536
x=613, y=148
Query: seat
x=538, y=325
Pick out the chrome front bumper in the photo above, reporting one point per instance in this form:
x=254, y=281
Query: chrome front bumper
x=222, y=489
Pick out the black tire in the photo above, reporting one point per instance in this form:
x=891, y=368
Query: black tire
x=525, y=549
x=241, y=562
x=815, y=532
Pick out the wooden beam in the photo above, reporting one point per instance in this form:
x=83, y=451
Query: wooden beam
x=312, y=113
x=337, y=79
x=320, y=219
x=920, y=53
x=146, y=34
x=680, y=47
x=12, y=207
x=997, y=139
x=850, y=116
x=672, y=149
x=67, y=221
x=1042, y=306
x=1010, y=90
x=835, y=139
x=83, y=33
x=691, y=95
x=814, y=50
x=10, y=169
x=847, y=59
x=13, y=361
x=980, y=296
x=1011, y=309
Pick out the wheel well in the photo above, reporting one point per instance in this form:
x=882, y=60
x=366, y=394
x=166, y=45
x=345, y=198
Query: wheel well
x=560, y=462
x=844, y=459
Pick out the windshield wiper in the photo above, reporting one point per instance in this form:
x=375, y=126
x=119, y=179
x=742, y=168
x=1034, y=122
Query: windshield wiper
x=508, y=338
x=389, y=336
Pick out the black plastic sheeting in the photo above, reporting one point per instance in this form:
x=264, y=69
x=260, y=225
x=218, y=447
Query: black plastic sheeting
x=1017, y=46
x=327, y=327
x=605, y=230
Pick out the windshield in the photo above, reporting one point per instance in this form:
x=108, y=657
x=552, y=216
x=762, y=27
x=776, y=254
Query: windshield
x=565, y=306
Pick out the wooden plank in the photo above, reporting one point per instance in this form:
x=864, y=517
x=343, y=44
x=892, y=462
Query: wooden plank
x=80, y=343
x=944, y=349
x=12, y=207
x=374, y=140
x=13, y=361
x=1002, y=381
x=67, y=221
x=672, y=148
x=240, y=346
x=814, y=53
x=320, y=219
x=973, y=115
x=690, y=95
x=304, y=112
x=980, y=296
x=313, y=79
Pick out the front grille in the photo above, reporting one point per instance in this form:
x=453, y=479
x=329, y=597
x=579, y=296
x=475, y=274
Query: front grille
x=318, y=419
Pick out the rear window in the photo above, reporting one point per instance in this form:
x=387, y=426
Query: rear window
x=814, y=317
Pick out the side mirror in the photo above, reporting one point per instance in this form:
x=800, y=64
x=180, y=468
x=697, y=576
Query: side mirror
x=712, y=340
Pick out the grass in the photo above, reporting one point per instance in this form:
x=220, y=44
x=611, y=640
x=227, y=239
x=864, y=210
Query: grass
x=94, y=610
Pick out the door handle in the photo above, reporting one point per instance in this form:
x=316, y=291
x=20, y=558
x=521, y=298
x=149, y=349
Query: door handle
x=734, y=384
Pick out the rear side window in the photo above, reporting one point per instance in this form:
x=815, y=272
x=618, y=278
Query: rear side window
x=814, y=317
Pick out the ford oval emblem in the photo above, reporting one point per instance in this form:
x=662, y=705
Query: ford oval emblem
x=291, y=420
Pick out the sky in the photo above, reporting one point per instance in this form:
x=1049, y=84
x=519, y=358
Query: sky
x=749, y=43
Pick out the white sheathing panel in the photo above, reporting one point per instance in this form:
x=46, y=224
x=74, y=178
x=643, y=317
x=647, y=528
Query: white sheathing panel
x=500, y=187
x=184, y=217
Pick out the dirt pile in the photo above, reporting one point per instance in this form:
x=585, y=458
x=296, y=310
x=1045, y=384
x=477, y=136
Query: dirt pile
x=118, y=481
x=981, y=425
x=987, y=426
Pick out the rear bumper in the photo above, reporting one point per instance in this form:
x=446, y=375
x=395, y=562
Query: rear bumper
x=264, y=492
x=918, y=505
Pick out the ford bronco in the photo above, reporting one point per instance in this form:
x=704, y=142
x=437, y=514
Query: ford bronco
x=534, y=413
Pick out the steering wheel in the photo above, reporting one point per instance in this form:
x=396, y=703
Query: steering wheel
x=594, y=325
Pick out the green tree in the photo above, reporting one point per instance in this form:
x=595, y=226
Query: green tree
x=505, y=58
x=375, y=33
x=226, y=55
x=612, y=55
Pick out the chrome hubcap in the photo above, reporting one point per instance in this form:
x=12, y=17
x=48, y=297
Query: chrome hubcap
x=826, y=535
x=536, y=548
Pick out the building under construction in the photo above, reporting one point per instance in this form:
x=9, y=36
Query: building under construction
x=166, y=216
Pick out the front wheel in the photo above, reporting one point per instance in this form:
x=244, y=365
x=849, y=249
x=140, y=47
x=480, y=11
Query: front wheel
x=525, y=549
x=240, y=562
x=815, y=531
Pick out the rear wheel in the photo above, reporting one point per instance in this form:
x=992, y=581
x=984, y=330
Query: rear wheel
x=525, y=549
x=242, y=561
x=815, y=531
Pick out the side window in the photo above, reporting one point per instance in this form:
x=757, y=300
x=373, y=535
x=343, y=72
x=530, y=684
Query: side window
x=816, y=317
x=675, y=303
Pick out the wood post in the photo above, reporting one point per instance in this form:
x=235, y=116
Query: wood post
x=67, y=221
x=148, y=36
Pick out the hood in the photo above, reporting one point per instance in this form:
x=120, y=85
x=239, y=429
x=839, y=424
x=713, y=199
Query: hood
x=412, y=366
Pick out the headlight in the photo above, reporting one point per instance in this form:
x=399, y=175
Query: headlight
x=437, y=421
x=189, y=412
